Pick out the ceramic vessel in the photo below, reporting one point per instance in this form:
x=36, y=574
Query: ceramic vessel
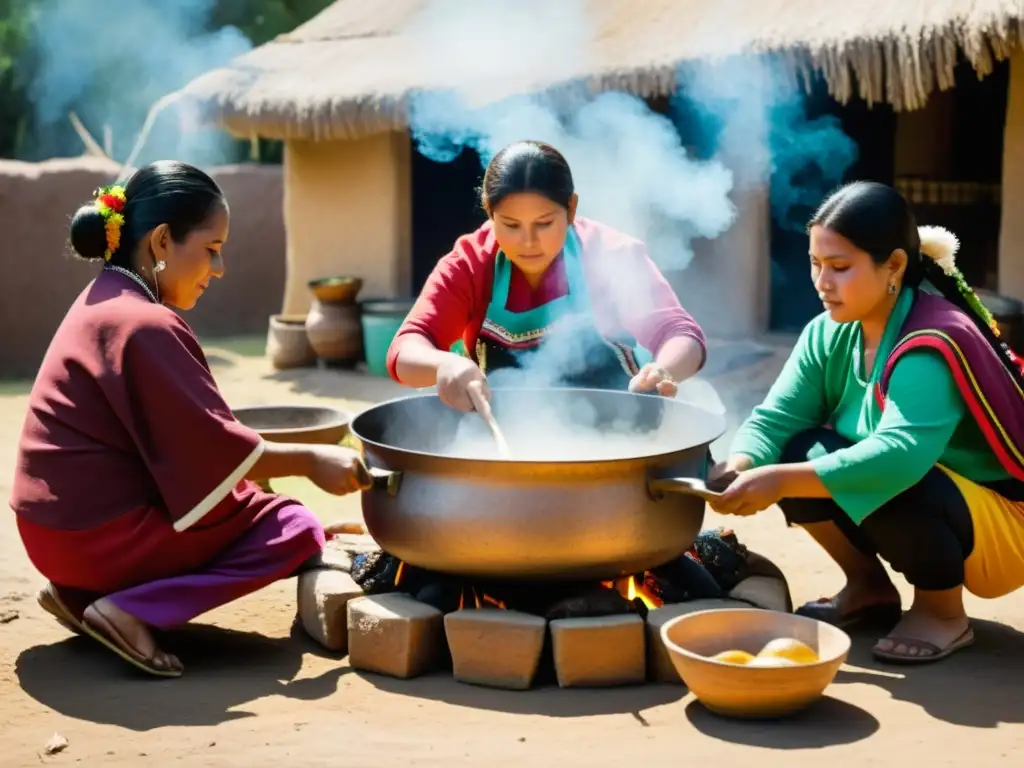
x=287, y=343
x=333, y=325
x=735, y=690
x=296, y=423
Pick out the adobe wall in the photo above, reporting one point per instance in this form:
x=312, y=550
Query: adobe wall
x=40, y=279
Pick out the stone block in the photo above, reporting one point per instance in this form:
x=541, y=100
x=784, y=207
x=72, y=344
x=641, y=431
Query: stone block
x=323, y=597
x=599, y=651
x=394, y=634
x=659, y=663
x=766, y=592
x=494, y=647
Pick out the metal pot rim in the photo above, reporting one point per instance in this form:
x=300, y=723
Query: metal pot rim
x=637, y=459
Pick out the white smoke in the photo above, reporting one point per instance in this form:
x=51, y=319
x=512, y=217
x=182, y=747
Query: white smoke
x=111, y=60
x=486, y=69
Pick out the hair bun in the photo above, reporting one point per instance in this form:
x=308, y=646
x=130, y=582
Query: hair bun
x=940, y=245
x=88, y=233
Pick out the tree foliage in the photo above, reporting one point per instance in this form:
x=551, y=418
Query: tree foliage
x=25, y=133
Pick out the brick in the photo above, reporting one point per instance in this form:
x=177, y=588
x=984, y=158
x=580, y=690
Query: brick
x=323, y=596
x=339, y=552
x=395, y=635
x=766, y=592
x=599, y=651
x=659, y=664
x=494, y=647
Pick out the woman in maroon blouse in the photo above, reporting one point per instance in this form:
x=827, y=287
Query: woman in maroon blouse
x=134, y=487
x=539, y=296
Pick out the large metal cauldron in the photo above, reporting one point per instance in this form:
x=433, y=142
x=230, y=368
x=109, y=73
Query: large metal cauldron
x=600, y=483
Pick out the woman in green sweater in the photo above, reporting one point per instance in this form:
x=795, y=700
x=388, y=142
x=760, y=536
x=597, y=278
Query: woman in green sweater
x=895, y=431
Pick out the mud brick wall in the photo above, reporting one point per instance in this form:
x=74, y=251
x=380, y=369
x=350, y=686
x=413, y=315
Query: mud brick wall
x=39, y=280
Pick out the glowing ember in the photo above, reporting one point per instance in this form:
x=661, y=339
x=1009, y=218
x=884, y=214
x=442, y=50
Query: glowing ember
x=628, y=587
x=487, y=600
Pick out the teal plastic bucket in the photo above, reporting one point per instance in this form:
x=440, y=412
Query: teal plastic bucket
x=381, y=319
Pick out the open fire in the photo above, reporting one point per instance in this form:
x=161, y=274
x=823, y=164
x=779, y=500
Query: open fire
x=710, y=569
x=403, y=620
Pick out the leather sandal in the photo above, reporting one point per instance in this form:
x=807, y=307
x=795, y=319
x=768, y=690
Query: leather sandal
x=106, y=634
x=904, y=657
x=885, y=615
x=49, y=600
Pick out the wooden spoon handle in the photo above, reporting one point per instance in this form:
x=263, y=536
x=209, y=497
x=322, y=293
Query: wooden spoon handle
x=484, y=409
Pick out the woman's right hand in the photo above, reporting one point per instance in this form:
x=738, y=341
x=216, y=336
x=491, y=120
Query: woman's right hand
x=339, y=470
x=456, y=376
x=723, y=473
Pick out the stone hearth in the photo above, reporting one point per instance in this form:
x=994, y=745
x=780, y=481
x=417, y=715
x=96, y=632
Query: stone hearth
x=485, y=642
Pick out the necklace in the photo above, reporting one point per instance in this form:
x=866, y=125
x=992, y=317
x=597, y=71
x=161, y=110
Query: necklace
x=132, y=276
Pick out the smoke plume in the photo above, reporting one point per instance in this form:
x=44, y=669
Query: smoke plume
x=660, y=178
x=110, y=61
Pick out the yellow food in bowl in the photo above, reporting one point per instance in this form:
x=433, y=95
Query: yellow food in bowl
x=734, y=657
x=772, y=661
x=789, y=649
x=781, y=652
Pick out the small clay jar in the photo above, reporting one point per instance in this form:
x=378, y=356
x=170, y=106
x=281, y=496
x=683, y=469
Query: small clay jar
x=287, y=343
x=333, y=325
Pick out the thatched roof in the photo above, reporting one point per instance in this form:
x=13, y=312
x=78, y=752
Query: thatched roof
x=348, y=71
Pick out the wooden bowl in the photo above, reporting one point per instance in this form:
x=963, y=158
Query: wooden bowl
x=296, y=423
x=336, y=290
x=735, y=690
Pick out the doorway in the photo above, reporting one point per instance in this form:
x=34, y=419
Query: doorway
x=949, y=165
x=445, y=205
x=793, y=298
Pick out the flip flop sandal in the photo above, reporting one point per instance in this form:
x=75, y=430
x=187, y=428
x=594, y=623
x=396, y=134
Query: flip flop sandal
x=112, y=639
x=964, y=640
x=887, y=615
x=49, y=600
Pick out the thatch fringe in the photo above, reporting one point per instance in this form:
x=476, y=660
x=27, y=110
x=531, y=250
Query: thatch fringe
x=902, y=70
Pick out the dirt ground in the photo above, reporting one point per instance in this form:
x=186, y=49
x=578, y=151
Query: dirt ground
x=258, y=693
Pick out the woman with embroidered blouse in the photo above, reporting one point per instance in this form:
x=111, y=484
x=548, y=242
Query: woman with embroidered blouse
x=895, y=431
x=543, y=297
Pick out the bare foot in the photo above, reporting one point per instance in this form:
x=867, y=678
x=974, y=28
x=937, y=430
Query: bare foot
x=935, y=633
x=130, y=634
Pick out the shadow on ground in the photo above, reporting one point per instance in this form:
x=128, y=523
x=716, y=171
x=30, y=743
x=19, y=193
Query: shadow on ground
x=830, y=722
x=546, y=700
x=226, y=670
x=979, y=687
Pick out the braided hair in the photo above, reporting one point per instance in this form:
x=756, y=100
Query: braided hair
x=878, y=220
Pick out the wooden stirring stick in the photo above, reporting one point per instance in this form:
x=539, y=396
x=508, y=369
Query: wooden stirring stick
x=484, y=409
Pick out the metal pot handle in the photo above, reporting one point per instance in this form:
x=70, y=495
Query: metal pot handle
x=385, y=480
x=688, y=486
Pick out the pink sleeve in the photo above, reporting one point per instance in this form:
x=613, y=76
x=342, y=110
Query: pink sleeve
x=644, y=302
x=445, y=306
x=195, y=449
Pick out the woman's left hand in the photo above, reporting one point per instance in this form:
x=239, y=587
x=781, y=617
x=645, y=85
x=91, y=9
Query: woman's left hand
x=654, y=378
x=751, y=492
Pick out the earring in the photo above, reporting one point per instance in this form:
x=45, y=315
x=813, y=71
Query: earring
x=162, y=265
x=892, y=287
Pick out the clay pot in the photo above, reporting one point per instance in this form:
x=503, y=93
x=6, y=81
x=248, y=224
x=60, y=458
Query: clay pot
x=333, y=325
x=287, y=343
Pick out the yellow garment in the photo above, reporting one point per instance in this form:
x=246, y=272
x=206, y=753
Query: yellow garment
x=996, y=565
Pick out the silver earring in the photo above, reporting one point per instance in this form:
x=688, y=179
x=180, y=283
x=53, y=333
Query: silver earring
x=162, y=265
x=892, y=287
